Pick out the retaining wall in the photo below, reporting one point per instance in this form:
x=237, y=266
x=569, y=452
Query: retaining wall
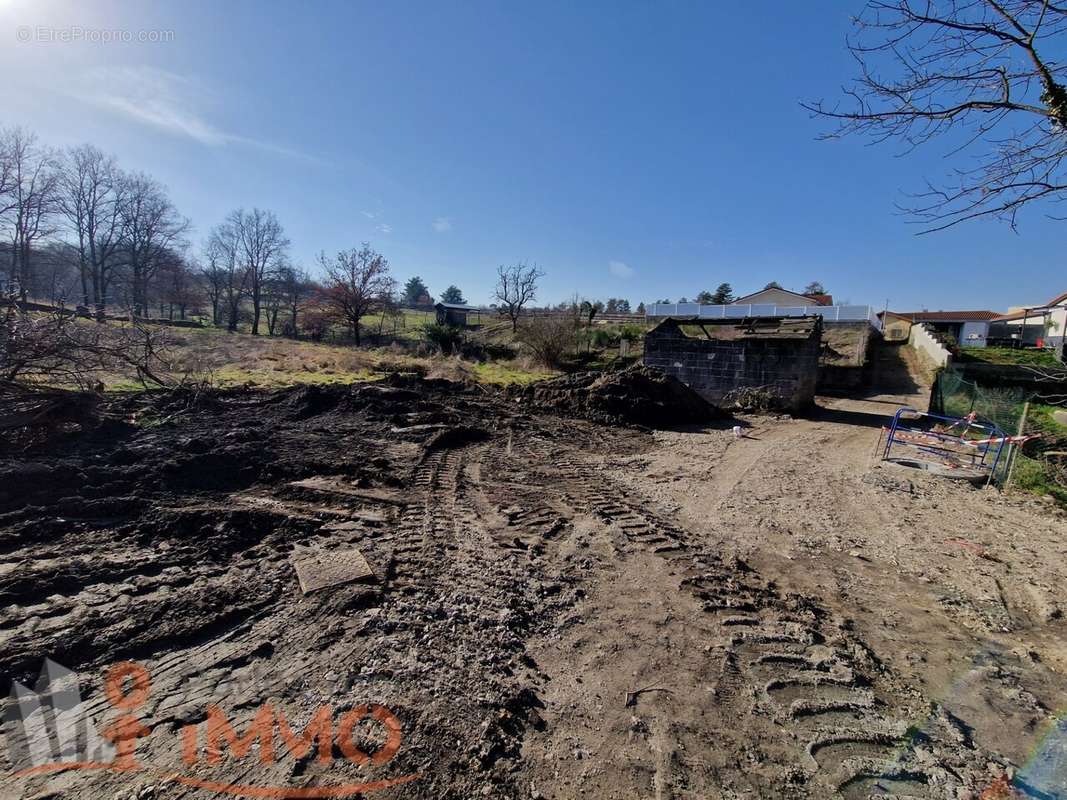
x=931, y=349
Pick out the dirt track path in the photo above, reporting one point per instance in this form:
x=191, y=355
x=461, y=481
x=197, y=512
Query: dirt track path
x=953, y=592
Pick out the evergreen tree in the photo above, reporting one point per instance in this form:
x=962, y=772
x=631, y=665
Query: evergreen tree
x=453, y=295
x=415, y=291
x=723, y=295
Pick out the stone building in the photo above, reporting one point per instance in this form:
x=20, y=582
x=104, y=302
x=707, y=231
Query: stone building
x=720, y=358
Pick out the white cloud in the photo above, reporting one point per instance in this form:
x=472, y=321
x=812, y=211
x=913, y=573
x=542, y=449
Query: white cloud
x=620, y=269
x=162, y=100
x=442, y=224
x=384, y=228
x=369, y=214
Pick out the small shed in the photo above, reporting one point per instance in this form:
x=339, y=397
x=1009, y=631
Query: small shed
x=458, y=315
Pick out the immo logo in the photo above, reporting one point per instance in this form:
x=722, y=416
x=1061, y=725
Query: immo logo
x=48, y=730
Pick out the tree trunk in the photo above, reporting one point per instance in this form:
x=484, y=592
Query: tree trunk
x=84, y=268
x=24, y=270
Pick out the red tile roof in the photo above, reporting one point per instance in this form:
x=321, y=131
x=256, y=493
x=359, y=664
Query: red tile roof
x=948, y=316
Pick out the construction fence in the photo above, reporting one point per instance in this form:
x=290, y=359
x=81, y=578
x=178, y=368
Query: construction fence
x=954, y=396
x=1039, y=464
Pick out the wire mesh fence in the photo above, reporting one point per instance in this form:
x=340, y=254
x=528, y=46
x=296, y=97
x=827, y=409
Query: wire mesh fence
x=954, y=396
x=1039, y=464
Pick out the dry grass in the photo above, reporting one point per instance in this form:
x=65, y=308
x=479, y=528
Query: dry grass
x=235, y=359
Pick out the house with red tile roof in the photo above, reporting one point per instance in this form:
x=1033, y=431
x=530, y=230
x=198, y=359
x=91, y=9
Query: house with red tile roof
x=966, y=328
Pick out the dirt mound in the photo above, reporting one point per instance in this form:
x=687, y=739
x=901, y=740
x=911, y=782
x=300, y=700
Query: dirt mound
x=636, y=395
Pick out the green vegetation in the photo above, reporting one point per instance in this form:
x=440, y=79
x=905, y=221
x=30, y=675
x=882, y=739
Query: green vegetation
x=1009, y=356
x=1037, y=472
x=501, y=374
x=447, y=338
x=490, y=354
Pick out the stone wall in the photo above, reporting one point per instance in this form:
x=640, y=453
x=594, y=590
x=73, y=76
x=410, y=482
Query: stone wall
x=788, y=367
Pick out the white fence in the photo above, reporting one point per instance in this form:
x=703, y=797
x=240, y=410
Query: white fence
x=828, y=313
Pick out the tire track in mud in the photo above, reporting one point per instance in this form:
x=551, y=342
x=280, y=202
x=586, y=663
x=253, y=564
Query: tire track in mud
x=851, y=729
x=492, y=548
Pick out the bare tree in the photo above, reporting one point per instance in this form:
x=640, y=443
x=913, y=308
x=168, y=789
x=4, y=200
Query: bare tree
x=274, y=297
x=56, y=265
x=357, y=284
x=988, y=73
x=91, y=193
x=516, y=287
x=224, y=266
x=294, y=286
x=177, y=286
x=151, y=230
x=212, y=280
x=263, y=247
x=30, y=203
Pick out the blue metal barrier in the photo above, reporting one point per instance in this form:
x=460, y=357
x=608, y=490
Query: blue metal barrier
x=982, y=451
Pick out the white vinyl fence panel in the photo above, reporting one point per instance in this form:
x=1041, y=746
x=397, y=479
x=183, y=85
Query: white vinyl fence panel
x=848, y=313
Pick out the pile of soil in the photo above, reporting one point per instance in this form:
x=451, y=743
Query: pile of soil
x=637, y=395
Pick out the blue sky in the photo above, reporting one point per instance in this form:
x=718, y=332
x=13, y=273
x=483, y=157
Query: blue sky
x=629, y=149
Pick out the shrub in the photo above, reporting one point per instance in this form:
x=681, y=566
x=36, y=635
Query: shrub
x=602, y=337
x=497, y=351
x=549, y=338
x=447, y=338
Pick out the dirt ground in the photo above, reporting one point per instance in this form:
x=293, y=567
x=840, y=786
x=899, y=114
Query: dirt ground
x=562, y=608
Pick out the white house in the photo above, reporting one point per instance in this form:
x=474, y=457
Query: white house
x=968, y=328
x=1029, y=324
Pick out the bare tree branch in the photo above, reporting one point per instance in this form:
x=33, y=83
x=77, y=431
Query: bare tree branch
x=977, y=72
x=516, y=287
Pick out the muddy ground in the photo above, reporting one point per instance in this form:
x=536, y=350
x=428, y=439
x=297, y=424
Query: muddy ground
x=562, y=608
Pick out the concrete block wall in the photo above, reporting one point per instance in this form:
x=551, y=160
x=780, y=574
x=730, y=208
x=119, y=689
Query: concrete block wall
x=714, y=368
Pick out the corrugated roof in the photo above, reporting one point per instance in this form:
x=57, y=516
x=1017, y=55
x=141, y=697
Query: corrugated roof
x=458, y=306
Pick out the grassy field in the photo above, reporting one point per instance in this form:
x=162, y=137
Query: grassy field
x=233, y=359
x=1009, y=356
x=214, y=356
